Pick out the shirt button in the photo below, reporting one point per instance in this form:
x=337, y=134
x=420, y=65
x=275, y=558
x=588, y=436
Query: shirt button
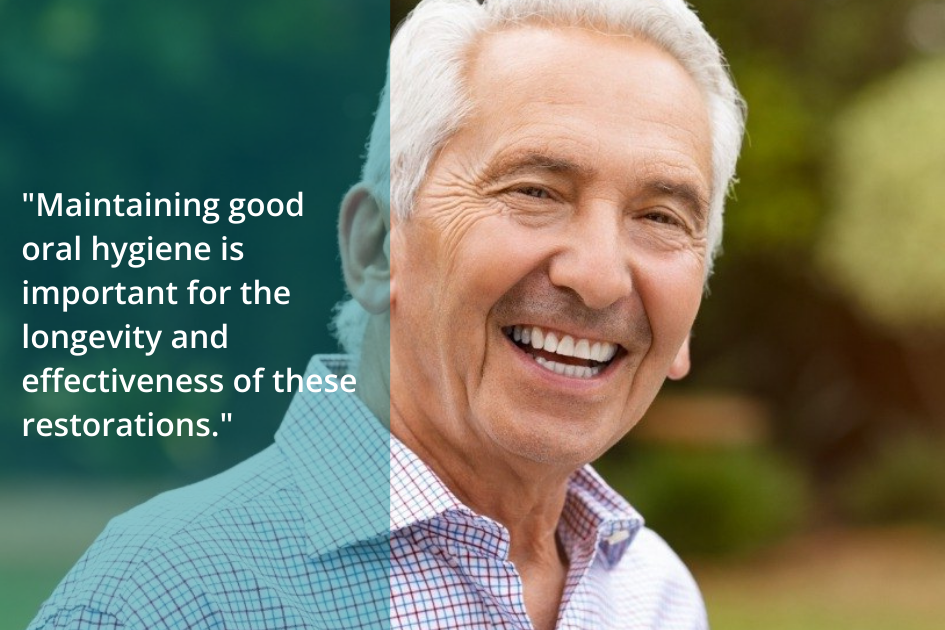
x=618, y=537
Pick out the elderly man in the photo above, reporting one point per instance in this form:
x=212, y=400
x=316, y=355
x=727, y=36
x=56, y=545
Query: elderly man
x=526, y=256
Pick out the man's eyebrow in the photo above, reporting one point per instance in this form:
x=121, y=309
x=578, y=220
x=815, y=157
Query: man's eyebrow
x=513, y=164
x=516, y=163
x=688, y=194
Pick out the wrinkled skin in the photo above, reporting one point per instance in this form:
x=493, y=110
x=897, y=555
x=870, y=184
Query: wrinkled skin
x=573, y=199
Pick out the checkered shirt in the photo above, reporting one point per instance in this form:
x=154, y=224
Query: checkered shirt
x=305, y=535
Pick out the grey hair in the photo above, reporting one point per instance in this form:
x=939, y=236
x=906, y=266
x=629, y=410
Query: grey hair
x=429, y=54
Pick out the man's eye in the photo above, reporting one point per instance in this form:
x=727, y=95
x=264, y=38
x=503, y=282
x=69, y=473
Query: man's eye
x=663, y=218
x=533, y=191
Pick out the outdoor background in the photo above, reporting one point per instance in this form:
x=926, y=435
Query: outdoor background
x=799, y=470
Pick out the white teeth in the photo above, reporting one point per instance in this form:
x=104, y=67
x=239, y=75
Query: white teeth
x=551, y=342
x=582, y=349
x=599, y=351
x=574, y=371
x=566, y=346
x=538, y=338
x=603, y=351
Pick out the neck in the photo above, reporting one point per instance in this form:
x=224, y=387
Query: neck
x=528, y=506
x=527, y=501
x=526, y=497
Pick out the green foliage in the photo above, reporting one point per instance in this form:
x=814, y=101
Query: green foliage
x=776, y=204
x=711, y=501
x=904, y=482
x=883, y=243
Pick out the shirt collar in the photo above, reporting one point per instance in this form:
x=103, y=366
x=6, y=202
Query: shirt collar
x=595, y=517
x=338, y=452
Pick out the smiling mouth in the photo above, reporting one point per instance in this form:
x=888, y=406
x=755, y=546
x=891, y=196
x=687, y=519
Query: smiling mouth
x=563, y=354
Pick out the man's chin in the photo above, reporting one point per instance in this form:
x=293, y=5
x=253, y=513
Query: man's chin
x=557, y=442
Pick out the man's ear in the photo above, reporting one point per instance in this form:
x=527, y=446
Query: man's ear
x=680, y=366
x=364, y=242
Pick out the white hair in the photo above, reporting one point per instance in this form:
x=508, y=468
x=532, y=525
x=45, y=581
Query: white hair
x=428, y=58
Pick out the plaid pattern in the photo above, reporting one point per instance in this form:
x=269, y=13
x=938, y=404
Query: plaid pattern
x=450, y=568
x=308, y=535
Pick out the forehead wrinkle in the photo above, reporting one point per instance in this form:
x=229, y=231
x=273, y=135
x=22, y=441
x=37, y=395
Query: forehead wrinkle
x=530, y=160
x=680, y=169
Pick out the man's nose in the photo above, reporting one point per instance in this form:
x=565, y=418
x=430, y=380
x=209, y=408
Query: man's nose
x=594, y=261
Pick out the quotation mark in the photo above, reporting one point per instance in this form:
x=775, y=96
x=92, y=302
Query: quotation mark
x=27, y=196
x=224, y=417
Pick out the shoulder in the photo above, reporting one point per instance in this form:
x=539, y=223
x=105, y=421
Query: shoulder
x=662, y=583
x=172, y=559
x=650, y=553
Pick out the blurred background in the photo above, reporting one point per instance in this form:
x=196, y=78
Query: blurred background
x=799, y=470
x=220, y=99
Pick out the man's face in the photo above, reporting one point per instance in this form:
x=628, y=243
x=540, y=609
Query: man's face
x=569, y=212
